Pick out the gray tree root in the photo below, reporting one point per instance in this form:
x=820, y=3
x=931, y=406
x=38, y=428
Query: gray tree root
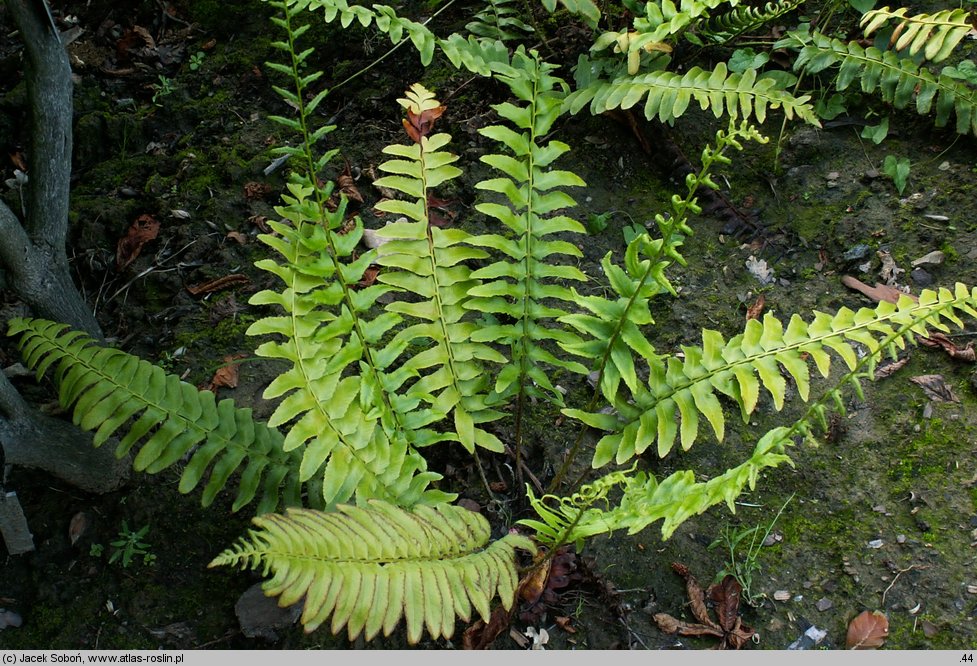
x=34, y=259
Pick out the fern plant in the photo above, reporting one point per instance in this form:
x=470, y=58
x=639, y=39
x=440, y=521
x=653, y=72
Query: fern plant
x=367, y=385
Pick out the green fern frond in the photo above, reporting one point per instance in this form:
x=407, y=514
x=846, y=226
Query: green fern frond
x=525, y=284
x=679, y=391
x=430, y=262
x=332, y=394
x=499, y=20
x=899, y=81
x=612, y=326
x=933, y=35
x=667, y=95
x=723, y=28
x=162, y=418
x=663, y=20
x=644, y=500
x=372, y=565
x=382, y=16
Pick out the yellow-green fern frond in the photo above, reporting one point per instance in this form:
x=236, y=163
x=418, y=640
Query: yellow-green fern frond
x=933, y=35
x=161, y=417
x=678, y=391
x=369, y=566
x=431, y=262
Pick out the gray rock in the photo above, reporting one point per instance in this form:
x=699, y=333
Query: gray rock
x=921, y=278
x=260, y=616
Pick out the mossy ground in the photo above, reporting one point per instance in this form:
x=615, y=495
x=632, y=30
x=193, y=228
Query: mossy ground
x=900, y=474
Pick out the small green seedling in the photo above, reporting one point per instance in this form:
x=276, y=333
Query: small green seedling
x=196, y=60
x=129, y=545
x=897, y=168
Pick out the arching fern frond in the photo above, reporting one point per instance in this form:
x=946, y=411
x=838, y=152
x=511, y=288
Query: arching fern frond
x=429, y=262
x=160, y=417
x=372, y=565
x=525, y=286
x=722, y=28
x=644, y=500
x=499, y=20
x=679, y=391
x=667, y=95
x=933, y=35
x=899, y=81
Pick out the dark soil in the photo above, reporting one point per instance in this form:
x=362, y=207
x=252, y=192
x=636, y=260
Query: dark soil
x=881, y=516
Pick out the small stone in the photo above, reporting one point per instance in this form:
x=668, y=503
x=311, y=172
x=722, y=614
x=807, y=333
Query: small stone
x=9, y=619
x=900, y=538
x=857, y=253
x=944, y=166
x=875, y=543
x=823, y=604
x=832, y=175
x=781, y=595
x=921, y=278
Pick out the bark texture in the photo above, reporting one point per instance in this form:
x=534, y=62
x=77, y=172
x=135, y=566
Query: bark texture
x=35, y=262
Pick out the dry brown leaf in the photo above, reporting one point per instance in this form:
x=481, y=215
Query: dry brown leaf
x=935, y=388
x=76, y=528
x=532, y=586
x=479, y=635
x=946, y=344
x=884, y=371
x=867, y=631
x=238, y=237
x=726, y=596
x=255, y=190
x=233, y=280
x=755, y=310
x=347, y=185
x=565, y=623
x=369, y=277
x=879, y=292
x=226, y=375
x=144, y=229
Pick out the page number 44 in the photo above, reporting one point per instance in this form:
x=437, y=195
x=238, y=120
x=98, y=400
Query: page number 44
x=967, y=657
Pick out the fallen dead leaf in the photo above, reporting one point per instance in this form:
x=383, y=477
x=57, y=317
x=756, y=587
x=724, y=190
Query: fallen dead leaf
x=879, y=292
x=233, y=280
x=935, y=388
x=480, y=635
x=76, y=528
x=889, y=271
x=255, y=190
x=725, y=595
x=867, y=631
x=226, y=375
x=755, y=310
x=946, y=344
x=144, y=229
x=887, y=369
x=237, y=237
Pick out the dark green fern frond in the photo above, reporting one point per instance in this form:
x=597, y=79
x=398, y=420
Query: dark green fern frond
x=679, y=391
x=934, y=35
x=372, y=565
x=430, y=262
x=499, y=20
x=160, y=417
x=723, y=28
x=899, y=81
x=525, y=286
x=667, y=95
